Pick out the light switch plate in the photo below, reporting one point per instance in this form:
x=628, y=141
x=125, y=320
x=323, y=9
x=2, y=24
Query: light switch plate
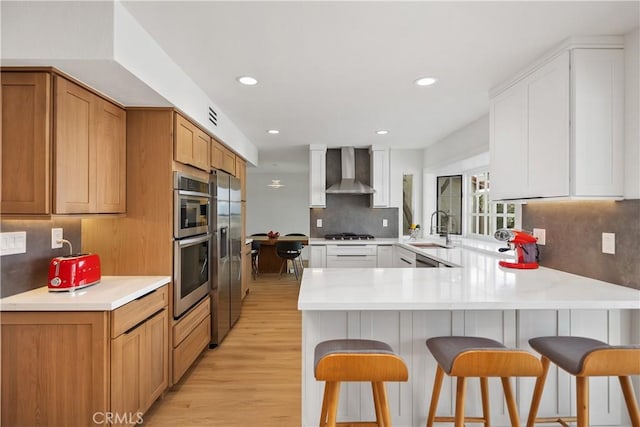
x=541, y=235
x=609, y=243
x=14, y=243
x=319, y=222
x=385, y=223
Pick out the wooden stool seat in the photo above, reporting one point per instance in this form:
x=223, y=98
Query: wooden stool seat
x=584, y=358
x=356, y=360
x=464, y=357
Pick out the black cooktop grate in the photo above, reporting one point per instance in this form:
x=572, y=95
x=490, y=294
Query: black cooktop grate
x=348, y=236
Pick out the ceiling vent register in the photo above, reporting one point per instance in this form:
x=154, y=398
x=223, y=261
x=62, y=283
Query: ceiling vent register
x=213, y=117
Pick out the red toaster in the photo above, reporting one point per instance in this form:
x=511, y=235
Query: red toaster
x=71, y=272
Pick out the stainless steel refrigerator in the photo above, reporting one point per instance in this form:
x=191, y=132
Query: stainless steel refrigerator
x=226, y=293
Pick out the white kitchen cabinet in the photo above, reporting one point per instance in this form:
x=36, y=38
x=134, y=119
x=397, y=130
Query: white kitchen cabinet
x=317, y=256
x=385, y=256
x=557, y=131
x=317, y=176
x=379, y=176
x=403, y=258
x=352, y=256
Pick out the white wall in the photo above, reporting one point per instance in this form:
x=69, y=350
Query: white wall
x=285, y=209
x=632, y=115
x=465, y=142
x=406, y=162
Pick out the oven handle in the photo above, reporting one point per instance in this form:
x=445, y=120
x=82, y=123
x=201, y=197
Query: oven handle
x=193, y=240
x=194, y=193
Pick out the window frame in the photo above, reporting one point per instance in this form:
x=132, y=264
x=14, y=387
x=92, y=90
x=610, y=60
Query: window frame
x=491, y=215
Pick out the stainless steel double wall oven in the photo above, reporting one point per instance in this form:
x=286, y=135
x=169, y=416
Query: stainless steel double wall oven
x=192, y=242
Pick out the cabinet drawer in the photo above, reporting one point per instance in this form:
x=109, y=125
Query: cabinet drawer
x=189, y=349
x=138, y=310
x=189, y=322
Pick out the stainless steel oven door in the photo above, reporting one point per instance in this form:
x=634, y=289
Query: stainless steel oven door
x=191, y=272
x=191, y=214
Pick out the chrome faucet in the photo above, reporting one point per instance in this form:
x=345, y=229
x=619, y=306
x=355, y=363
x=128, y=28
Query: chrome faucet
x=440, y=229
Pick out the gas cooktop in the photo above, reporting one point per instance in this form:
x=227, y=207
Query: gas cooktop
x=348, y=236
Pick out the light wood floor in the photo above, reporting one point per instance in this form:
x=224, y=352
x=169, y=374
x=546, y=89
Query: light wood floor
x=253, y=378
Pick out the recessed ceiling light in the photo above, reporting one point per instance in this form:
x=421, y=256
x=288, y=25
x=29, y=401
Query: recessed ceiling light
x=273, y=131
x=247, y=80
x=425, y=81
x=382, y=132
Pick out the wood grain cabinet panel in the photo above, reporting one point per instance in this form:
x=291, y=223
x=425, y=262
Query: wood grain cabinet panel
x=49, y=120
x=55, y=368
x=191, y=145
x=26, y=143
x=217, y=155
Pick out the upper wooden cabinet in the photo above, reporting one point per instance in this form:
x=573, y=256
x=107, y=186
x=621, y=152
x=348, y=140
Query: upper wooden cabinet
x=191, y=144
x=241, y=174
x=26, y=143
x=222, y=158
x=557, y=132
x=80, y=168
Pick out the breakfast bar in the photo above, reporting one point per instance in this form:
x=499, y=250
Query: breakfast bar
x=404, y=306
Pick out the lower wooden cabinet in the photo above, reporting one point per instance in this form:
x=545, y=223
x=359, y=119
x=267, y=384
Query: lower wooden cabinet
x=246, y=269
x=139, y=368
x=191, y=335
x=68, y=368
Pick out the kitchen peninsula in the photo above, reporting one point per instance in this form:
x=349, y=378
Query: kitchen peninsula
x=405, y=306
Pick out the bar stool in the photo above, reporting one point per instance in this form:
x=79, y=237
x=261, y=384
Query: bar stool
x=464, y=357
x=584, y=358
x=356, y=360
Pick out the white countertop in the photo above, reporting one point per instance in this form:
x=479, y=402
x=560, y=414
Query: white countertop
x=112, y=292
x=480, y=284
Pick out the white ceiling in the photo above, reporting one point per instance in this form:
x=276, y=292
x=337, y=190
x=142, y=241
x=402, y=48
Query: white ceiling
x=335, y=72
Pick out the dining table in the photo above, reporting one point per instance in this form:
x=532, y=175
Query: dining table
x=268, y=259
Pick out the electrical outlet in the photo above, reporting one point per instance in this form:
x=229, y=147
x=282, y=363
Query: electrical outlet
x=56, y=237
x=609, y=243
x=319, y=222
x=540, y=234
x=385, y=223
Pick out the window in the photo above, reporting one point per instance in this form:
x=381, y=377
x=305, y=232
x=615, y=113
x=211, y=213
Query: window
x=407, y=203
x=486, y=218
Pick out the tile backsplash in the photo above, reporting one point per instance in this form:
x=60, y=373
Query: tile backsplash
x=30, y=270
x=574, y=238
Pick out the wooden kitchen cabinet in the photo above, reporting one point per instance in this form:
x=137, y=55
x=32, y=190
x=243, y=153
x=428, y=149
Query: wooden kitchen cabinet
x=139, y=366
x=241, y=174
x=246, y=269
x=557, y=131
x=222, y=158
x=26, y=143
x=191, y=334
x=191, y=144
x=68, y=368
x=49, y=120
x=317, y=176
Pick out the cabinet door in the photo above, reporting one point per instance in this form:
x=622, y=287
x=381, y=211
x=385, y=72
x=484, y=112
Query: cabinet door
x=246, y=268
x=317, y=256
x=217, y=155
x=380, y=177
x=201, y=147
x=156, y=357
x=26, y=143
x=598, y=140
x=127, y=365
x=385, y=256
x=317, y=176
x=111, y=164
x=74, y=157
x=184, y=140
x=548, y=133
x=228, y=161
x=508, y=131
x=241, y=174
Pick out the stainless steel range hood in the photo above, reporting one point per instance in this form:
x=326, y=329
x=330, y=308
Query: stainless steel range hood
x=348, y=183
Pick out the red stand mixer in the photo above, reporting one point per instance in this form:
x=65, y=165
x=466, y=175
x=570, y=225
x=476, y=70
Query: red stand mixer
x=524, y=244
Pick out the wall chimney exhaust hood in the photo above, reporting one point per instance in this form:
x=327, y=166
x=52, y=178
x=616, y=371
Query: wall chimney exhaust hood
x=348, y=183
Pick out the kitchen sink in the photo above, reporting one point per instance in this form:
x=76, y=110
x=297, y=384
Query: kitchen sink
x=430, y=245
